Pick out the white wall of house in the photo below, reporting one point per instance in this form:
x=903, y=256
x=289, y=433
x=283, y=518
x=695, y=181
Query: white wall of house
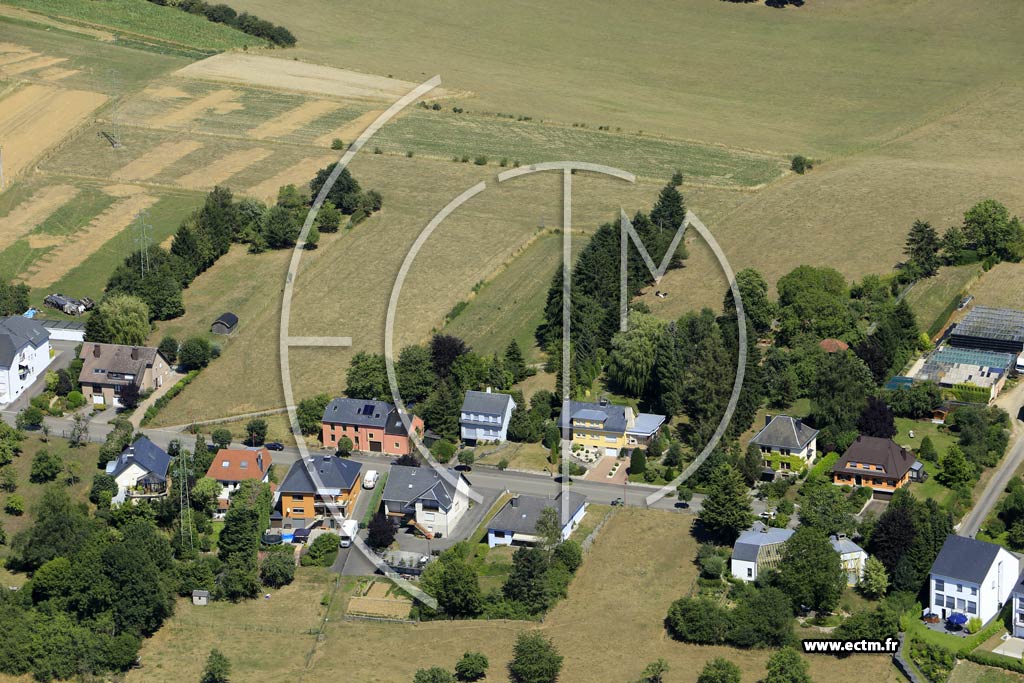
x=28, y=365
x=497, y=537
x=744, y=570
x=497, y=431
x=853, y=566
x=987, y=598
x=1018, y=616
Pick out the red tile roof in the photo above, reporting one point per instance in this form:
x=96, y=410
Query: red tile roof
x=234, y=464
x=832, y=345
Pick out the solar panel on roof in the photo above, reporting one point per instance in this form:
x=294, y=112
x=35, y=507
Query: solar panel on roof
x=368, y=409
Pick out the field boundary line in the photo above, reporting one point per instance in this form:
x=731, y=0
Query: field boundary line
x=222, y=420
x=320, y=632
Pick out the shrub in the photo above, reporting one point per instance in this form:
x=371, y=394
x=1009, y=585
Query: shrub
x=278, y=569
x=443, y=450
x=195, y=353
x=75, y=400
x=481, y=160
x=408, y=153
x=322, y=551
x=472, y=666
x=29, y=418
x=801, y=164
x=503, y=464
x=337, y=143
x=15, y=506
x=45, y=466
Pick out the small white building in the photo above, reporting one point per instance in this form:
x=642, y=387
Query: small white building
x=851, y=556
x=24, y=355
x=485, y=416
x=434, y=503
x=760, y=548
x=971, y=577
x=516, y=522
x=1017, y=595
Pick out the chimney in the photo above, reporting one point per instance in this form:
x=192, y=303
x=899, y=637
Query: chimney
x=799, y=422
x=603, y=401
x=135, y=353
x=259, y=461
x=96, y=351
x=767, y=419
x=514, y=502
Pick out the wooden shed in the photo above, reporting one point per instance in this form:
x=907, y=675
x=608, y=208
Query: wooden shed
x=225, y=324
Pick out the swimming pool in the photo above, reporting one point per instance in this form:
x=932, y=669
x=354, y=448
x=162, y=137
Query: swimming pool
x=287, y=536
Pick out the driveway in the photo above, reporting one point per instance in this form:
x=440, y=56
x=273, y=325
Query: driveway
x=64, y=353
x=604, y=467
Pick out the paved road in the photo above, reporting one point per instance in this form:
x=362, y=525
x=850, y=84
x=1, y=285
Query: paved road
x=1011, y=402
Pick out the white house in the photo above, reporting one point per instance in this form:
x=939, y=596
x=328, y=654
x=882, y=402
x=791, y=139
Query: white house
x=434, y=503
x=485, y=416
x=971, y=577
x=786, y=443
x=1017, y=595
x=231, y=466
x=140, y=471
x=760, y=548
x=516, y=522
x=24, y=355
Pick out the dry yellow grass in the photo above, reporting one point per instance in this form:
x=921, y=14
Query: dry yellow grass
x=157, y=159
x=222, y=169
x=1000, y=287
x=35, y=117
x=351, y=130
x=221, y=101
x=33, y=211
x=298, y=174
x=34, y=64
x=292, y=120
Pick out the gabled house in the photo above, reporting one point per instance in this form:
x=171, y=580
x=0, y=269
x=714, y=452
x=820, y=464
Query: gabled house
x=516, y=522
x=431, y=502
x=786, y=443
x=874, y=462
x=603, y=428
x=971, y=577
x=760, y=548
x=24, y=355
x=320, y=487
x=108, y=368
x=485, y=416
x=372, y=426
x=232, y=466
x=140, y=471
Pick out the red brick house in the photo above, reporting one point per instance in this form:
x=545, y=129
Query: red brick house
x=373, y=426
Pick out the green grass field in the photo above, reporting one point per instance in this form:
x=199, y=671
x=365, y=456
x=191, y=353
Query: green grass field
x=141, y=19
x=1001, y=287
x=930, y=297
x=631, y=572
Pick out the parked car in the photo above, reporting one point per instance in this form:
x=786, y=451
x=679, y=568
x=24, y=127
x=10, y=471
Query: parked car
x=274, y=446
x=370, y=480
x=618, y=502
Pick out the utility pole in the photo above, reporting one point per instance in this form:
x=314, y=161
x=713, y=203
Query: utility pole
x=142, y=238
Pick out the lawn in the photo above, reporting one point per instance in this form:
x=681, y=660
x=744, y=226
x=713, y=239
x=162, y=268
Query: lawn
x=520, y=456
x=939, y=435
x=141, y=19
x=1002, y=286
x=969, y=672
x=84, y=459
x=278, y=427
x=631, y=572
x=931, y=297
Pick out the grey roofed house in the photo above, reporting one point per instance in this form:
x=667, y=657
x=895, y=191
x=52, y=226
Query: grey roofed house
x=333, y=475
x=406, y=485
x=146, y=455
x=225, y=324
x=485, y=403
x=16, y=333
x=521, y=514
x=784, y=432
x=115, y=363
x=965, y=558
x=364, y=413
x=612, y=417
x=750, y=542
x=843, y=545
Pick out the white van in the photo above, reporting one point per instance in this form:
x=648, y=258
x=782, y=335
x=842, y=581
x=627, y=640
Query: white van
x=370, y=480
x=349, y=529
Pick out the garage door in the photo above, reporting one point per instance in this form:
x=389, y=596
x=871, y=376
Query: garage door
x=376, y=447
x=97, y=399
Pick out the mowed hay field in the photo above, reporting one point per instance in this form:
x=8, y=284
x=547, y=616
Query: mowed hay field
x=1000, y=287
x=823, y=79
x=608, y=628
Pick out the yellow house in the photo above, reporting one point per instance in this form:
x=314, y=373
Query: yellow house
x=320, y=487
x=604, y=429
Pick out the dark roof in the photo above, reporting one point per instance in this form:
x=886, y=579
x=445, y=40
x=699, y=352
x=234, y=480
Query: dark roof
x=229, y=319
x=752, y=540
x=486, y=402
x=871, y=450
x=16, y=333
x=783, y=431
x=521, y=514
x=146, y=455
x=364, y=413
x=965, y=558
x=406, y=485
x=612, y=416
x=332, y=473
x=106, y=363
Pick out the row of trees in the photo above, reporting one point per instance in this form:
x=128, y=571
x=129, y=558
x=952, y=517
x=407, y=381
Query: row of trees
x=13, y=298
x=244, y=22
x=988, y=233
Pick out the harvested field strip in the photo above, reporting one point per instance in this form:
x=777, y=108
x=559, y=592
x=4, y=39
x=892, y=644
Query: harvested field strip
x=15, y=57
x=221, y=101
x=380, y=607
x=55, y=264
x=293, y=120
x=156, y=160
x=30, y=65
x=285, y=74
x=299, y=174
x=33, y=211
x=57, y=73
x=38, y=116
x=222, y=169
x=350, y=131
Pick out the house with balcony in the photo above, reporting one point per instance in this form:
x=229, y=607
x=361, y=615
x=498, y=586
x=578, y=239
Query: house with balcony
x=516, y=522
x=108, y=368
x=320, y=488
x=431, y=502
x=485, y=416
x=372, y=426
x=603, y=428
x=787, y=445
x=973, y=578
x=877, y=463
x=232, y=466
x=140, y=471
x=24, y=355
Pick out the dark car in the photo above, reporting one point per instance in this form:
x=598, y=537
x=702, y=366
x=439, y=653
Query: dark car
x=618, y=502
x=274, y=446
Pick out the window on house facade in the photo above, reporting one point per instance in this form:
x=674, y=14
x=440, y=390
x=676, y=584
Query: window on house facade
x=750, y=572
x=950, y=602
x=940, y=599
x=959, y=588
x=940, y=585
x=298, y=511
x=972, y=607
x=961, y=604
x=974, y=590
